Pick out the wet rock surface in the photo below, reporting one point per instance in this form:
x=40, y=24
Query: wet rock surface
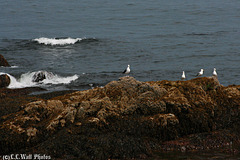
x=41, y=75
x=3, y=61
x=126, y=119
x=4, y=80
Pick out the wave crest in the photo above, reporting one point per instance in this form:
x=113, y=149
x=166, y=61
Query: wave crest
x=57, y=41
x=29, y=79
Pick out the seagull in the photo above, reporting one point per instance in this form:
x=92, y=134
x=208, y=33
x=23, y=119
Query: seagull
x=127, y=70
x=214, y=72
x=200, y=73
x=183, y=75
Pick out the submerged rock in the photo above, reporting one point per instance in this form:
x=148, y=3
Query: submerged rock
x=4, y=80
x=3, y=62
x=125, y=119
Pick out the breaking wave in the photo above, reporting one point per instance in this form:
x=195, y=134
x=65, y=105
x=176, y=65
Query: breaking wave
x=32, y=79
x=57, y=41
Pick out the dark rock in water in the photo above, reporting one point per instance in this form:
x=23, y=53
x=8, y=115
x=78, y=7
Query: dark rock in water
x=41, y=75
x=3, y=62
x=125, y=119
x=4, y=80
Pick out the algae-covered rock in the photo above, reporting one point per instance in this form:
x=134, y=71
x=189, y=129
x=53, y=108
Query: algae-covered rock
x=125, y=119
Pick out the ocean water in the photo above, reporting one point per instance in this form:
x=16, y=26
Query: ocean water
x=85, y=44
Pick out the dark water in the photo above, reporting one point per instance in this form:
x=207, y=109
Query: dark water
x=159, y=39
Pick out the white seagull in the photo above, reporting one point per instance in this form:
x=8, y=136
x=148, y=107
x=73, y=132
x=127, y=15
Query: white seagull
x=126, y=71
x=183, y=75
x=200, y=73
x=214, y=72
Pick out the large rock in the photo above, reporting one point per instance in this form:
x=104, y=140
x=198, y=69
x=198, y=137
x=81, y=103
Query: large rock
x=4, y=80
x=125, y=119
x=3, y=61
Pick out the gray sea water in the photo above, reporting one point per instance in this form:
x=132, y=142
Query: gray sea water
x=159, y=39
x=88, y=43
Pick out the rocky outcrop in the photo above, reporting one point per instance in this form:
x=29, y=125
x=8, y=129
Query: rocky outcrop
x=41, y=75
x=3, y=62
x=125, y=119
x=4, y=80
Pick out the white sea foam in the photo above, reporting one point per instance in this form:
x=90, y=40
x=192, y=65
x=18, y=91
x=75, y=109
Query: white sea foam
x=10, y=67
x=26, y=79
x=14, y=83
x=57, y=41
x=14, y=67
x=55, y=79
